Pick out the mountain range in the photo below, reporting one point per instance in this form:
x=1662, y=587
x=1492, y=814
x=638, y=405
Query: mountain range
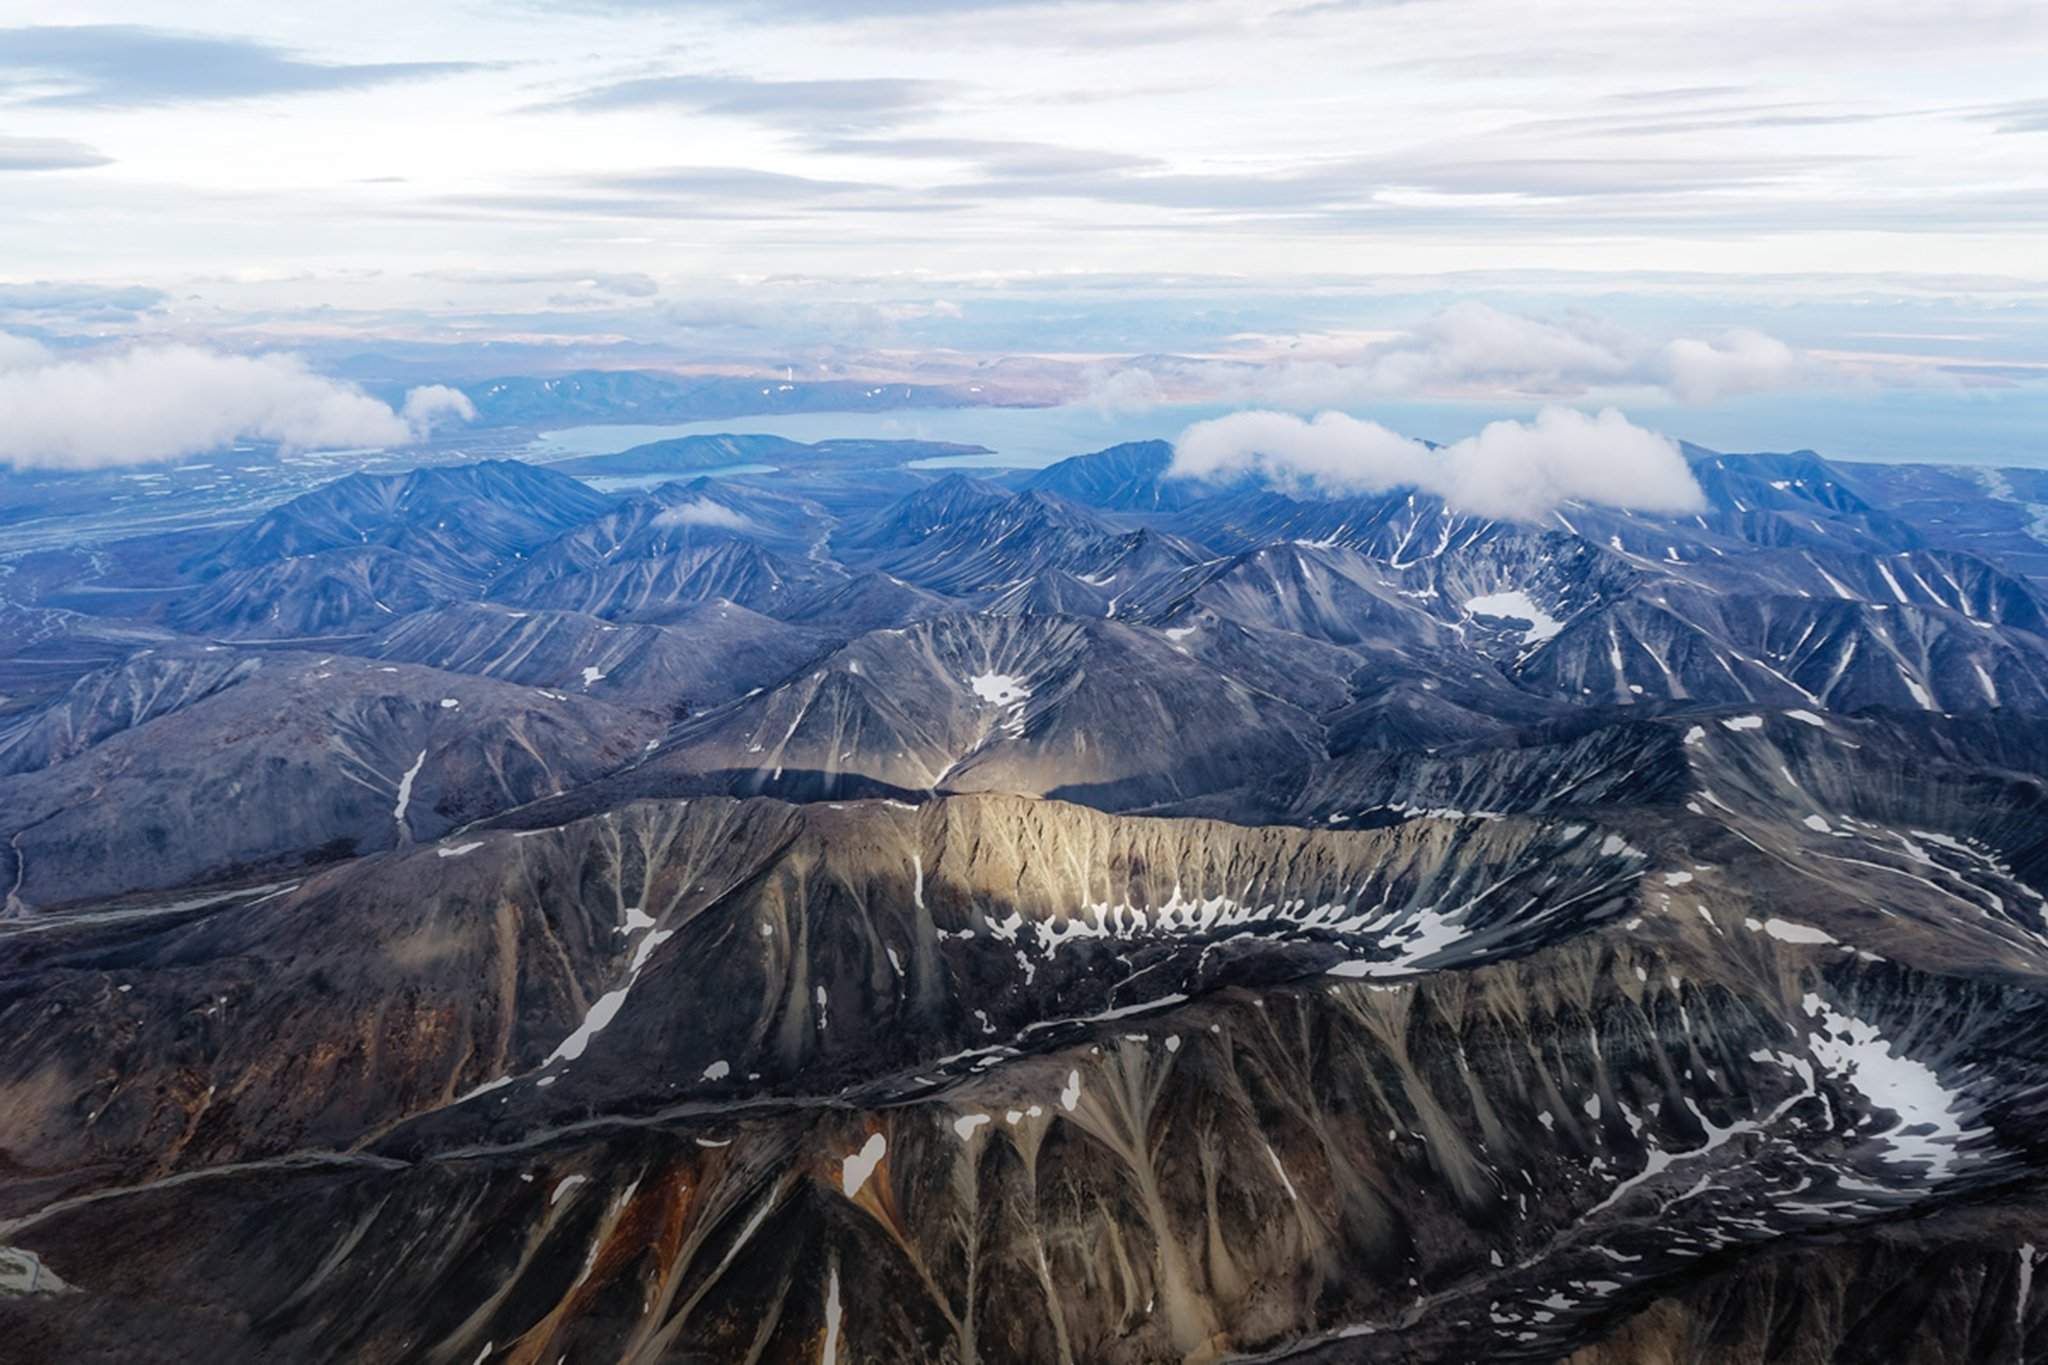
x=1075, y=914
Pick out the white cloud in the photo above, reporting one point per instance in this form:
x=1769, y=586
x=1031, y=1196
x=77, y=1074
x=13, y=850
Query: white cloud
x=1516, y=470
x=161, y=402
x=1123, y=391
x=1739, y=361
x=704, y=512
x=432, y=404
x=1471, y=344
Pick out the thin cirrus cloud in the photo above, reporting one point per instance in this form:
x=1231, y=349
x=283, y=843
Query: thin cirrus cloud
x=2026, y=116
x=1367, y=181
x=838, y=12
x=1009, y=25
x=727, y=193
x=854, y=102
x=1472, y=193
x=162, y=402
x=995, y=158
x=49, y=154
x=111, y=66
x=1521, y=471
x=741, y=182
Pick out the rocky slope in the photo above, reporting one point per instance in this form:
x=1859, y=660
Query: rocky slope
x=249, y=777
x=1011, y=1080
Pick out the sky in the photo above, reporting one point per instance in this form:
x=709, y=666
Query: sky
x=1287, y=203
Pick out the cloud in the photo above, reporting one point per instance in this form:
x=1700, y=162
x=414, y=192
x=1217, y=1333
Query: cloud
x=1124, y=391
x=997, y=158
x=1738, y=361
x=1472, y=350
x=835, y=11
x=2025, y=116
x=1412, y=189
x=704, y=512
x=430, y=405
x=48, y=154
x=852, y=102
x=630, y=284
x=667, y=192
x=744, y=182
x=1471, y=345
x=111, y=66
x=20, y=353
x=1516, y=470
x=162, y=402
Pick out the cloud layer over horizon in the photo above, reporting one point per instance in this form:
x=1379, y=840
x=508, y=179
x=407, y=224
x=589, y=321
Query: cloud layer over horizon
x=1272, y=203
x=1520, y=471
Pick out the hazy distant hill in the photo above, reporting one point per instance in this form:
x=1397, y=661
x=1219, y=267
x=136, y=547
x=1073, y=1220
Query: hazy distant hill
x=687, y=454
x=646, y=396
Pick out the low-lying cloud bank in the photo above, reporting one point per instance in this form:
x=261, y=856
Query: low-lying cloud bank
x=1516, y=470
x=161, y=402
x=1471, y=345
x=1472, y=350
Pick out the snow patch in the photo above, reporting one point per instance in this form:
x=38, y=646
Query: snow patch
x=1928, y=1126
x=1000, y=689
x=830, y=1354
x=1786, y=931
x=405, y=790
x=1281, y=1171
x=860, y=1165
x=1428, y=933
x=1516, y=605
x=602, y=1013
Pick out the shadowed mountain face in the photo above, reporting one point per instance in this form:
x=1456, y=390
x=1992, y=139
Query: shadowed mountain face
x=1126, y=478
x=354, y=555
x=706, y=653
x=1084, y=916
x=466, y=520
